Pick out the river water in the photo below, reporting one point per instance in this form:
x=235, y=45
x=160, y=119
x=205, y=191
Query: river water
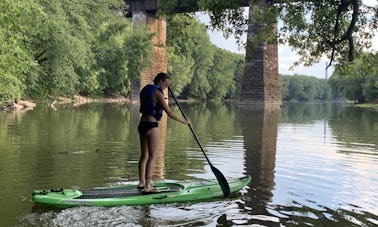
x=311, y=164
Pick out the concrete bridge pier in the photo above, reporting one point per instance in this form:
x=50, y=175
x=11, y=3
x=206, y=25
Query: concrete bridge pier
x=159, y=59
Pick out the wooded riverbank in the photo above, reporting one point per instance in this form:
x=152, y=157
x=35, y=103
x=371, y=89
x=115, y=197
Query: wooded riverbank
x=77, y=100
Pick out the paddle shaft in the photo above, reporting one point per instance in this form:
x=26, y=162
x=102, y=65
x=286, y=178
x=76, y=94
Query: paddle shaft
x=220, y=177
x=190, y=126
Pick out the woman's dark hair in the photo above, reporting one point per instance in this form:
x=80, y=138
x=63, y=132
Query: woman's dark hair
x=160, y=76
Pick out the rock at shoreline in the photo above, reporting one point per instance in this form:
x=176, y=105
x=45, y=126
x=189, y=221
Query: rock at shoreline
x=19, y=105
x=26, y=104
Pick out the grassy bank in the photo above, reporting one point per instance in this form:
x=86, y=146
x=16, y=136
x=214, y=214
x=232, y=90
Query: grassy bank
x=373, y=106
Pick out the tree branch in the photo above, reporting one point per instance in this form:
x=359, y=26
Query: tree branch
x=347, y=36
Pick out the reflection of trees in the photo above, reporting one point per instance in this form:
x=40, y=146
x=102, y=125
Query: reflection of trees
x=347, y=123
x=70, y=142
x=211, y=121
x=260, y=136
x=306, y=113
x=64, y=148
x=355, y=125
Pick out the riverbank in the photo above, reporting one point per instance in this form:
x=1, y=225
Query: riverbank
x=373, y=106
x=18, y=105
x=77, y=100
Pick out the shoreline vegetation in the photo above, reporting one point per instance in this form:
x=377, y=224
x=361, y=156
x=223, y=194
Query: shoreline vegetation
x=373, y=105
x=50, y=49
x=23, y=105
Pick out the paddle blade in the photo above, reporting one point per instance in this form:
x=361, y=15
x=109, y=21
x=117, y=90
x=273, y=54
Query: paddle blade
x=221, y=180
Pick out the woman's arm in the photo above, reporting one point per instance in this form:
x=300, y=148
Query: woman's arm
x=160, y=99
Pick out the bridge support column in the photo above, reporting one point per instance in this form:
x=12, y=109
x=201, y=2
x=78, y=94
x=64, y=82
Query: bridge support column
x=159, y=56
x=261, y=84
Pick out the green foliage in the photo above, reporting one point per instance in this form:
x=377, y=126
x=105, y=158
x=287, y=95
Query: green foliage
x=111, y=59
x=304, y=88
x=61, y=48
x=198, y=69
x=312, y=28
x=315, y=28
x=138, y=52
x=16, y=59
x=181, y=41
x=357, y=80
x=203, y=56
x=121, y=56
x=222, y=75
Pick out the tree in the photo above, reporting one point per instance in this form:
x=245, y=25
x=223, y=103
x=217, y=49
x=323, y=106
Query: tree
x=198, y=68
x=62, y=48
x=358, y=80
x=81, y=49
x=338, y=28
x=182, y=31
x=223, y=73
x=16, y=57
x=304, y=88
x=189, y=44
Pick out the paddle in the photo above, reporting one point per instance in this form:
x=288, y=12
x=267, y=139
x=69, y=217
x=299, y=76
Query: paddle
x=218, y=174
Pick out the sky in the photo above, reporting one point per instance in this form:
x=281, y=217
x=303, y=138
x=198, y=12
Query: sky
x=286, y=57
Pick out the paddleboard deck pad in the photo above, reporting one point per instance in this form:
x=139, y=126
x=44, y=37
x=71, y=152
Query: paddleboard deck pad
x=130, y=195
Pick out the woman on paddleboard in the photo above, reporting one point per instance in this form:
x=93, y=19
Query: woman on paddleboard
x=152, y=104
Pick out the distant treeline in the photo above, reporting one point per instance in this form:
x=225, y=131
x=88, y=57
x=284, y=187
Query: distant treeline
x=306, y=88
x=357, y=81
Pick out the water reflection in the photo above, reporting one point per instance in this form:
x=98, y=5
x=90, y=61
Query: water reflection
x=160, y=160
x=316, y=182
x=259, y=128
x=355, y=128
x=311, y=164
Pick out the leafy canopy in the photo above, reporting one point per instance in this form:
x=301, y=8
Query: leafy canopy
x=198, y=68
x=335, y=28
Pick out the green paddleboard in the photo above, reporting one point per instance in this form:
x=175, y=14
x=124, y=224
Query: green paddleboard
x=130, y=195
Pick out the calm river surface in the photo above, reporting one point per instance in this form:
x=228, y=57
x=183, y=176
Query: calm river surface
x=314, y=165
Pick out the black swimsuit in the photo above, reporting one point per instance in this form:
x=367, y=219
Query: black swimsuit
x=144, y=126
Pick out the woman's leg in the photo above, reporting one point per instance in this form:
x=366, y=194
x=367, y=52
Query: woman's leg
x=152, y=146
x=142, y=160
